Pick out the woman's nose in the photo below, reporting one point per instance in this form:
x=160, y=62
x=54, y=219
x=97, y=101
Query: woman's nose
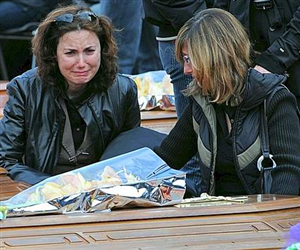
x=187, y=69
x=81, y=60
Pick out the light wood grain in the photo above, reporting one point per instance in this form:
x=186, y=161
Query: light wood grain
x=262, y=222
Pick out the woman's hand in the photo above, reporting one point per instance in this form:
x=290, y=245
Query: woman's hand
x=261, y=69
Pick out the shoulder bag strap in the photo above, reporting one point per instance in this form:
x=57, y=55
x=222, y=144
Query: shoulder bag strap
x=265, y=163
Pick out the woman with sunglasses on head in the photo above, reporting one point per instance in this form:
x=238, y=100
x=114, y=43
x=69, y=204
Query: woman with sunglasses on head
x=223, y=120
x=63, y=114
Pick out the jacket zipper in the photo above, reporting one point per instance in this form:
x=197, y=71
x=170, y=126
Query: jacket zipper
x=235, y=161
x=98, y=123
x=212, y=166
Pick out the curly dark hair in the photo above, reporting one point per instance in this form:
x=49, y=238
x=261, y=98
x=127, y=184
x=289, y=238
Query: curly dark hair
x=44, y=45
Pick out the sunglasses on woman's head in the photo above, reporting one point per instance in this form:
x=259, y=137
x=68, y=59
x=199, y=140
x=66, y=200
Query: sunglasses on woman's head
x=82, y=15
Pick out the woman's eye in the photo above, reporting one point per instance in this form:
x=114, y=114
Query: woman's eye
x=90, y=51
x=71, y=52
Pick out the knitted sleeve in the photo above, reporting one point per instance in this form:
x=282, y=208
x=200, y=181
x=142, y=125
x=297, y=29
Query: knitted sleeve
x=284, y=137
x=181, y=143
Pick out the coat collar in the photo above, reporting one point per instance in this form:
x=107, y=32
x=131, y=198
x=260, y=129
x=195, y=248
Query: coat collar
x=258, y=87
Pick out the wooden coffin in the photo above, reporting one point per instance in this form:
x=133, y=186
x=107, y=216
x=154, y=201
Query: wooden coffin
x=262, y=222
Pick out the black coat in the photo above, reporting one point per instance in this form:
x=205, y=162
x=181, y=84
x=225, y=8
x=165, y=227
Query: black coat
x=33, y=123
x=170, y=16
x=275, y=33
x=196, y=130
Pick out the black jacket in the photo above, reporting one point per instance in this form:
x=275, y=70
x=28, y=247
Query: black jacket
x=196, y=131
x=170, y=15
x=33, y=123
x=275, y=33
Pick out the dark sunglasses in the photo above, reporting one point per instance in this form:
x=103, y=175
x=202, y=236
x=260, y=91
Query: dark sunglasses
x=82, y=15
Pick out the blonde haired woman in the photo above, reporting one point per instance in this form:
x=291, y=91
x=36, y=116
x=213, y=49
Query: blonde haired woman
x=222, y=121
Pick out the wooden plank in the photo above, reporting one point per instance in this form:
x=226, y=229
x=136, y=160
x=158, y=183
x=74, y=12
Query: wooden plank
x=8, y=187
x=188, y=239
x=256, y=231
x=283, y=205
x=261, y=223
x=3, y=84
x=161, y=121
x=155, y=115
x=162, y=126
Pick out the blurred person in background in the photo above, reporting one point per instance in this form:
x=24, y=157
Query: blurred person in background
x=17, y=13
x=16, y=18
x=138, y=51
x=169, y=18
x=274, y=29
